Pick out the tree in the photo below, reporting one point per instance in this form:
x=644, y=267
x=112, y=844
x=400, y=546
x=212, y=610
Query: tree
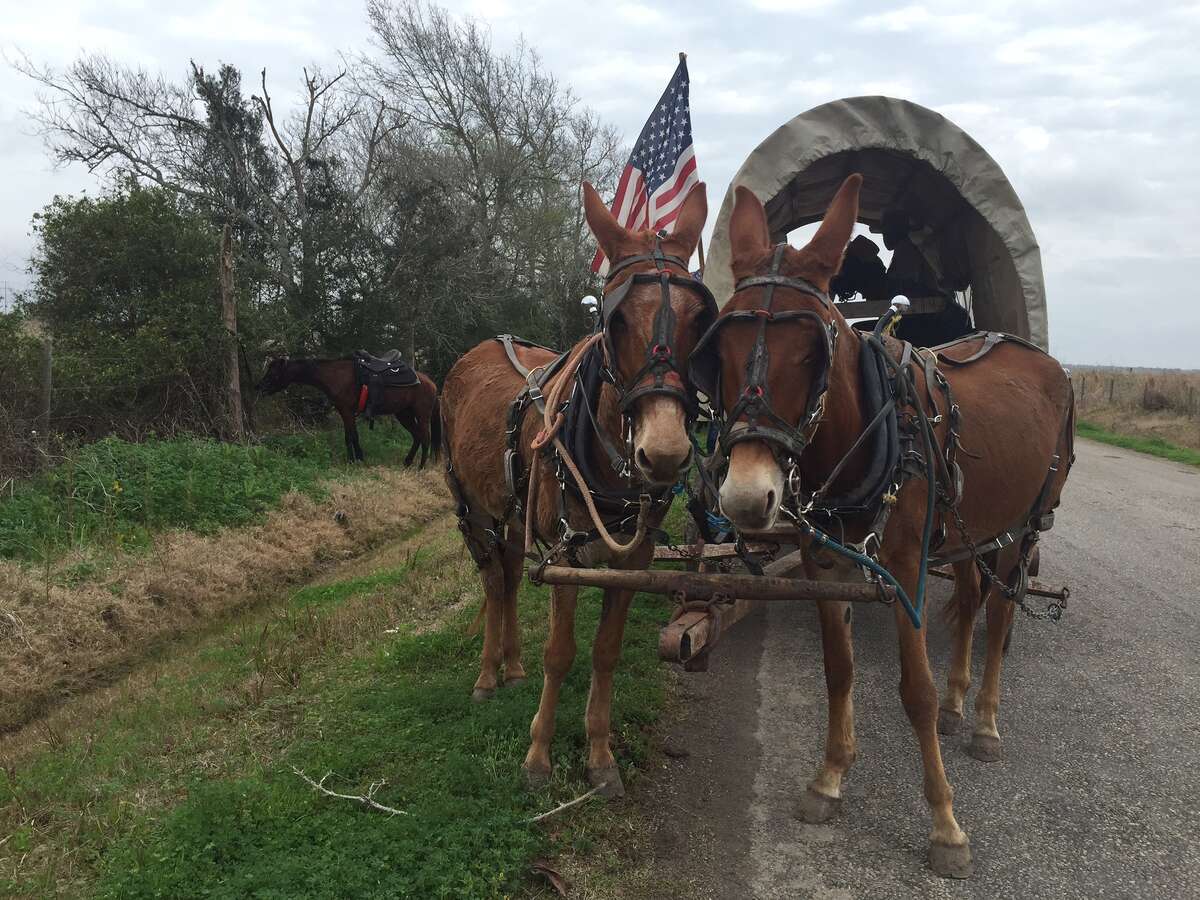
x=126, y=285
x=501, y=135
x=275, y=181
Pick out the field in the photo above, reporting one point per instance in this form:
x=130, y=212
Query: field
x=327, y=633
x=1140, y=403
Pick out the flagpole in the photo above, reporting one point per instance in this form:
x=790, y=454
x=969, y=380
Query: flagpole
x=699, y=246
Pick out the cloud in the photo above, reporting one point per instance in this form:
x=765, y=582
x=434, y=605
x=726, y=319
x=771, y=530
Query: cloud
x=931, y=26
x=801, y=7
x=638, y=14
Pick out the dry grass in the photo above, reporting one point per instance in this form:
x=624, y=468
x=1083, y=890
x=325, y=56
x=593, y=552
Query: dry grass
x=81, y=622
x=1142, y=403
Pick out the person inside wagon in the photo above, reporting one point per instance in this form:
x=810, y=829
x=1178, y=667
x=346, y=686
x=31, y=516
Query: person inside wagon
x=909, y=272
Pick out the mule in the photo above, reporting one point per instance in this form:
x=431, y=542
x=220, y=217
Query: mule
x=637, y=422
x=792, y=383
x=415, y=407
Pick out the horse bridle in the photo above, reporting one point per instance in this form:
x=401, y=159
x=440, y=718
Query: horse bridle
x=660, y=355
x=786, y=440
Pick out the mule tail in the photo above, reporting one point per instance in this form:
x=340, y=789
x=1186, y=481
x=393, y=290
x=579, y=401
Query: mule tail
x=435, y=429
x=964, y=600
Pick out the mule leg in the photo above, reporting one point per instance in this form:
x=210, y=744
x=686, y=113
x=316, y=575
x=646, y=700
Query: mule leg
x=514, y=569
x=492, y=575
x=961, y=612
x=949, y=849
x=602, y=769
x=557, y=658
x=824, y=793
x=985, y=741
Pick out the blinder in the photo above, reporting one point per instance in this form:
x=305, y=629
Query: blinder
x=660, y=354
x=754, y=400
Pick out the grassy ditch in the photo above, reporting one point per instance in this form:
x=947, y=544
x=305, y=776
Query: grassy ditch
x=1151, y=445
x=179, y=783
x=117, y=495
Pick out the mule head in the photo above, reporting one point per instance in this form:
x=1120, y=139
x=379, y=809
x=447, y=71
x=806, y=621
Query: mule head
x=276, y=376
x=652, y=314
x=774, y=362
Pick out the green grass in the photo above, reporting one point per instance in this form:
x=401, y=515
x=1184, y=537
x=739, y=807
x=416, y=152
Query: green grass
x=117, y=493
x=187, y=789
x=1152, y=446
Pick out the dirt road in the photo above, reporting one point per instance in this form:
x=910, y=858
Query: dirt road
x=1098, y=794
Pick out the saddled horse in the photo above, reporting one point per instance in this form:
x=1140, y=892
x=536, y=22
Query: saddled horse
x=515, y=466
x=415, y=407
x=979, y=433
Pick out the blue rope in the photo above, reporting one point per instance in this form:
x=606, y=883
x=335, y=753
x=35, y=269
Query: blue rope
x=912, y=610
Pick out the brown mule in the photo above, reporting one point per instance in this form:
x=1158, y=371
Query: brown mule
x=644, y=398
x=1015, y=405
x=415, y=407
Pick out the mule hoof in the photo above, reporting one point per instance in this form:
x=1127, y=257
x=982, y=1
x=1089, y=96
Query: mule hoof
x=985, y=748
x=481, y=694
x=535, y=779
x=608, y=780
x=951, y=861
x=514, y=682
x=816, y=808
x=949, y=721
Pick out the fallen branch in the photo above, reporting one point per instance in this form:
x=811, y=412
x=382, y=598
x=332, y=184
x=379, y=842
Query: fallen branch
x=563, y=806
x=367, y=799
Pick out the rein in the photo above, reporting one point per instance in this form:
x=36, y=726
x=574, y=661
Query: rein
x=571, y=387
x=553, y=419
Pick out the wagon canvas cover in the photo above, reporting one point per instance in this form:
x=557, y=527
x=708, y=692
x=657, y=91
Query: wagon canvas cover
x=975, y=229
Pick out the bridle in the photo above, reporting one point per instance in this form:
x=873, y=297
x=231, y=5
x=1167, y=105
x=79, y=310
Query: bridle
x=660, y=359
x=753, y=404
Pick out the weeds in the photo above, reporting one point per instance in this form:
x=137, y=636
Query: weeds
x=118, y=494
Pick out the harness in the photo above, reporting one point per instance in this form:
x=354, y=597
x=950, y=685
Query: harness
x=754, y=401
x=899, y=432
x=620, y=506
x=660, y=357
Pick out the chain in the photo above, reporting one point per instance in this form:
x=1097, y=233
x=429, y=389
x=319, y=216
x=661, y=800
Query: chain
x=1053, y=611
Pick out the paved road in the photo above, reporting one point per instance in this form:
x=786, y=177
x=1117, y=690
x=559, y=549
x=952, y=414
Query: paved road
x=1099, y=791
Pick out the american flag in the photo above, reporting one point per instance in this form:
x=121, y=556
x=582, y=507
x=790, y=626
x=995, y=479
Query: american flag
x=662, y=168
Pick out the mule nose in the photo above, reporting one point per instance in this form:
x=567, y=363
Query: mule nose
x=751, y=504
x=663, y=465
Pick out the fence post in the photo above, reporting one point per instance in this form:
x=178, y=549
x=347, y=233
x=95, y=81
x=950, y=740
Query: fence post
x=47, y=384
x=1111, y=383
x=233, y=386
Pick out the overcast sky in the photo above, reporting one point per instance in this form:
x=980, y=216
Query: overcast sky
x=1090, y=106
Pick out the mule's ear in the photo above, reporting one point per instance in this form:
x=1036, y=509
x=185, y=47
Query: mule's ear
x=829, y=243
x=749, y=234
x=605, y=228
x=692, y=216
